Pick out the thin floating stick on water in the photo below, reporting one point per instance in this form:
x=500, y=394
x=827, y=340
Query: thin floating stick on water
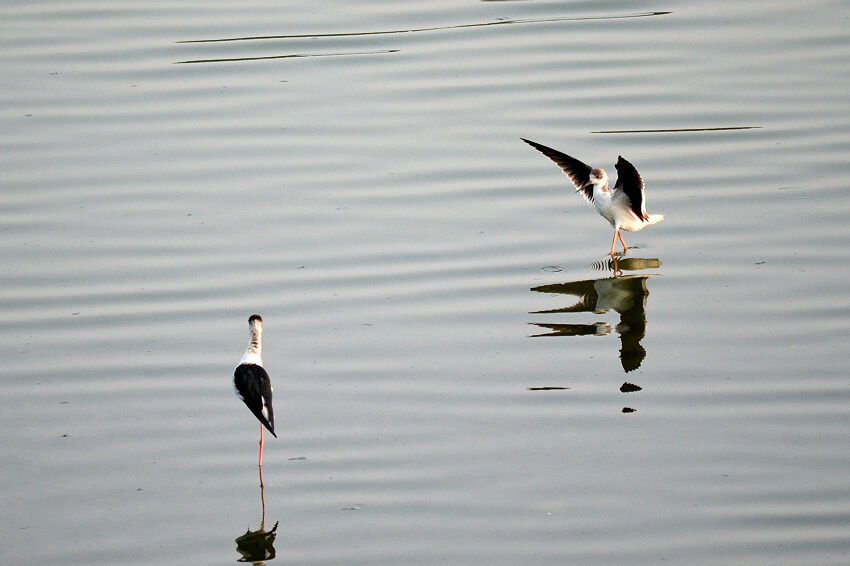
x=291, y=56
x=676, y=130
x=421, y=30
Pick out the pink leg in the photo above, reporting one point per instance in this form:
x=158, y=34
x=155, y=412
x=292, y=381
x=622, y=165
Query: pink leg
x=261, y=445
x=262, y=501
x=625, y=247
x=261, y=494
x=614, y=242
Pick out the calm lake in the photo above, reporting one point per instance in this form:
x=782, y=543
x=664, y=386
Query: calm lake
x=460, y=378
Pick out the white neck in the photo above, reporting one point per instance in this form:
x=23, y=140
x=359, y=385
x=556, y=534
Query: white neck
x=255, y=347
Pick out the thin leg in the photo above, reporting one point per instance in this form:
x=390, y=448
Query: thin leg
x=262, y=499
x=614, y=242
x=625, y=247
x=261, y=445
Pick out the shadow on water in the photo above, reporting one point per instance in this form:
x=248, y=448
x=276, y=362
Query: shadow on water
x=625, y=294
x=257, y=546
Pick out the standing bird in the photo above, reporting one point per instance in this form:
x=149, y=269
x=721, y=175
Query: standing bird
x=624, y=206
x=252, y=383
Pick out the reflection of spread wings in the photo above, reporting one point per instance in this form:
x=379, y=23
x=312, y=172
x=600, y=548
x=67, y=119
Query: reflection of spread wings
x=627, y=295
x=598, y=329
x=584, y=290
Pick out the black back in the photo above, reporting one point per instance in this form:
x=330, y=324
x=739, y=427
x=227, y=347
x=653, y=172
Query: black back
x=254, y=387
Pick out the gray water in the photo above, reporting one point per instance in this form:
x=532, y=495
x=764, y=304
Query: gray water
x=455, y=364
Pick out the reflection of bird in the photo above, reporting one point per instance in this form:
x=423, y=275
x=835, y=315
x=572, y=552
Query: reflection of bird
x=619, y=265
x=626, y=295
x=597, y=329
x=623, y=206
x=257, y=546
x=252, y=383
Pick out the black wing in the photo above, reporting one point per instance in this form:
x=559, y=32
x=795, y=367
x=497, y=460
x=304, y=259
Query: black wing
x=254, y=387
x=630, y=182
x=578, y=172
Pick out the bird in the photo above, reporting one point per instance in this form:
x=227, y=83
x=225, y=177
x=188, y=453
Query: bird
x=624, y=206
x=251, y=382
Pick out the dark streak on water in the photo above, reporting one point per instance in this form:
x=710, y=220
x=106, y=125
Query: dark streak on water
x=428, y=29
x=290, y=56
x=674, y=130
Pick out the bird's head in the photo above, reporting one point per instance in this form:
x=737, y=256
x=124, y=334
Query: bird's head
x=599, y=178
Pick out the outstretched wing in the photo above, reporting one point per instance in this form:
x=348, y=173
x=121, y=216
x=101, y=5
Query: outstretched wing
x=630, y=182
x=578, y=172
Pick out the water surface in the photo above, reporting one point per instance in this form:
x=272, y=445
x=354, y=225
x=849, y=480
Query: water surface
x=459, y=376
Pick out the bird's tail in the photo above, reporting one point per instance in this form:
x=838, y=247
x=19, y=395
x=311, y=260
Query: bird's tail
x=653, y=218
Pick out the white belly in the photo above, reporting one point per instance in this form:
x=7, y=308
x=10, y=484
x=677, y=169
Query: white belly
x=618, y=212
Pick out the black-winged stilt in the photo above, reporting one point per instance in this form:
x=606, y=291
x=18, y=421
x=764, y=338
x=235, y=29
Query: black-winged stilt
x=252, y=383
x=624, y=206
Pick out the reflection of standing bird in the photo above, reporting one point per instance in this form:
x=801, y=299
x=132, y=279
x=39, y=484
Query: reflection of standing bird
x=257, y=546
x=623, y=206
x=252, y=383
x=626, y=295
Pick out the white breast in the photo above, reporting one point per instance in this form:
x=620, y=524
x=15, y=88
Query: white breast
x=251, y=357
x=602, y=202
